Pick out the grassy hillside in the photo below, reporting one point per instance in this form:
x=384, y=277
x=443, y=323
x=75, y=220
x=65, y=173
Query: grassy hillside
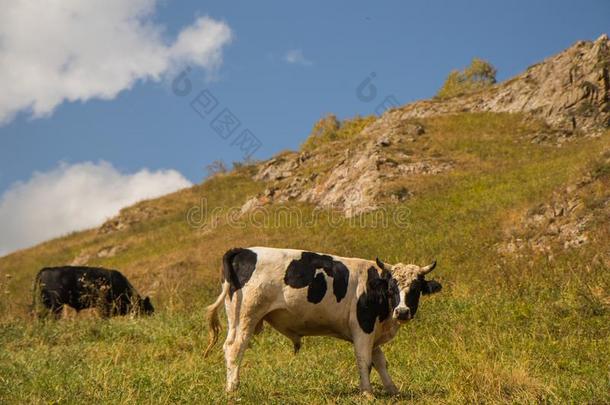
x=523, y=328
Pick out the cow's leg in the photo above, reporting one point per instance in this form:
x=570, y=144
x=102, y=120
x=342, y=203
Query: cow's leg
x=232, y=311
x=381, y=366
x=363, y=346
x=234, y=352
x=54, y=304
x=245, y=315
x=104, y=310
x=57, y=309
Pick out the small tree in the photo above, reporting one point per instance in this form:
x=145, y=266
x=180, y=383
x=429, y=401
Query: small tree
x=217, y=166
x=481, y=72
x=329, y=129
x=479, y=75
x=324, y=129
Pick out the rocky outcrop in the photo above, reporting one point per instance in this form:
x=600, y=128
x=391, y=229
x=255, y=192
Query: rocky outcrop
x=569, y=91
x=105, y=252
x=349, y=180
x=130, y=216
x=565, y=221
x=559, y=223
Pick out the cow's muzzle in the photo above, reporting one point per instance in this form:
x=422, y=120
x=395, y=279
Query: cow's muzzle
x=402, y=314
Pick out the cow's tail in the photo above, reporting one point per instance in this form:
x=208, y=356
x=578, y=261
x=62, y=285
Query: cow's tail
x=213, y=321
x=228, y=274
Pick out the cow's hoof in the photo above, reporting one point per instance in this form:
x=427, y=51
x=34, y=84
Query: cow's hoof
x=368, y=395
x=392, y=390
x=233, y=399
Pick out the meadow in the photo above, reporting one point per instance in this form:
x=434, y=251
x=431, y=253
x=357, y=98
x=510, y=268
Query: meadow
x=526, y=328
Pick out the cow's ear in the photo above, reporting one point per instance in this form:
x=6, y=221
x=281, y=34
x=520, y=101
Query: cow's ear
x=385, y=271
x=431, y=287
x=378, y=284
x=386, y=275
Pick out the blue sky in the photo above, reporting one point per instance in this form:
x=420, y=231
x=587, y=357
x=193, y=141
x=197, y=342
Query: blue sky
x=411, y=46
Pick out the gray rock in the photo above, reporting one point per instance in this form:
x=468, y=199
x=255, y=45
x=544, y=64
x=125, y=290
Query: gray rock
x=570, y=91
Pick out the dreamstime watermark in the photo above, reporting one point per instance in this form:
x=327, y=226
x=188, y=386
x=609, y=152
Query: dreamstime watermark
x=366, y=92
x=201, y=216
x=225, y=124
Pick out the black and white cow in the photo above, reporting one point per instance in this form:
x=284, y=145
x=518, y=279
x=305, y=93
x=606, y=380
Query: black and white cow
x=303, y=293
x=87, y=287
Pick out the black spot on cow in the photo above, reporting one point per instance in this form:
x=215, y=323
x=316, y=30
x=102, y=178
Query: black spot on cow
x=87, y=287
x=418, y=287
x=302, y=273
x=374, y=303
x=237, y=267
x=317, y=289
x=412, y=298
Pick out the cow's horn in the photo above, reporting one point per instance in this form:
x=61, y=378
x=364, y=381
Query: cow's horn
x=385, y=272
x=428, y=268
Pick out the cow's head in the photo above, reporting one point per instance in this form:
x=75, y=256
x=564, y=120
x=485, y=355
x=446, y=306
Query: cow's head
x=406, y=282
x=146, y=306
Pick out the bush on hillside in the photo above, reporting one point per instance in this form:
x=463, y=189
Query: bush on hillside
x=479, y=75
x=216, y=167
x=329, y=128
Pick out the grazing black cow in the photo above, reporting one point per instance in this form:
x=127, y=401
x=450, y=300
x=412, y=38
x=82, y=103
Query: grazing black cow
x=303, y=293
x=87, y=287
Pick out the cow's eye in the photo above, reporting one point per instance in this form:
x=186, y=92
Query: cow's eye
x=394, y=289
x=395, y=294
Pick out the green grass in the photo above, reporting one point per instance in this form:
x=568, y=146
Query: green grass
x=521, y=330
x=328, y=130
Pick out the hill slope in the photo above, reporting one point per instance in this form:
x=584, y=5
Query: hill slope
x=519, y=229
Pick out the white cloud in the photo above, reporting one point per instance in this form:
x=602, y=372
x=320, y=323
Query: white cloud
x=75, y=50
x=74, y=197
x=295, y=56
